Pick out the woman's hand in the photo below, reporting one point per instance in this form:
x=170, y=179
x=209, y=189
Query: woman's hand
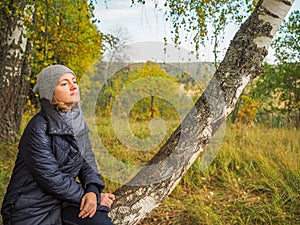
x=107, y=199
x=88, y=205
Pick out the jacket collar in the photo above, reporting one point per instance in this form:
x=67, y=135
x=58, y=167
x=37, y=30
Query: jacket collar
x=57, y=125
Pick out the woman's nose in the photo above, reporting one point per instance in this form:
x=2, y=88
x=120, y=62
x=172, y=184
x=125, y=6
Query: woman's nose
x=74, y=86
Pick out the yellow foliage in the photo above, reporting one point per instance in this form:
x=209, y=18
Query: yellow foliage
x=43, y=28
x=246, y=113
x=64, y=34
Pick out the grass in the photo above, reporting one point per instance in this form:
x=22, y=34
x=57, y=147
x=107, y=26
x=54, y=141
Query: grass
x=8, y=155
x=255, y=178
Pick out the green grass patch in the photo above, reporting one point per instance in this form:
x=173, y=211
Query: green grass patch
x=255, y=178
x=8, y=154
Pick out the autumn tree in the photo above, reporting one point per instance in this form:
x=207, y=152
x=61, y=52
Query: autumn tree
x=155, y=89
x=35, y=34
x=62, y=32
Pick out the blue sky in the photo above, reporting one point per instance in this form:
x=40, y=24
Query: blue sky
x=146, y=24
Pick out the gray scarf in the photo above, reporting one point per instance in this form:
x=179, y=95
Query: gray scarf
x=74, y=118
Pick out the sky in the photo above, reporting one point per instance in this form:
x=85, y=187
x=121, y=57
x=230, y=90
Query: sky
x=146, y=27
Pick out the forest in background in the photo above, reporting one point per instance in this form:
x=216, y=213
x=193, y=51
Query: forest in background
x=68, y=34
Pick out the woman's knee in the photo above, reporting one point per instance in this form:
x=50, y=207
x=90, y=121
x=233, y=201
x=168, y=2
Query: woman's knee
x=70, y=217
x=100, y=218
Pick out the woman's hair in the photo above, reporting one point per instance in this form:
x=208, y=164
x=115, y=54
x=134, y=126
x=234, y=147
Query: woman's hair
x=61, y=106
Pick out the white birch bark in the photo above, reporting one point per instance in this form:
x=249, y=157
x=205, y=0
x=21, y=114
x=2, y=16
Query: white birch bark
x=13, y=70
x=242, y=62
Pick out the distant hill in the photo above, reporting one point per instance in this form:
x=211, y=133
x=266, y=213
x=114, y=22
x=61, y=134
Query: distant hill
x=199, y=71
x=202, y=71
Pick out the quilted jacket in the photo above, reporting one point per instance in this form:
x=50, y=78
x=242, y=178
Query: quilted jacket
x=48, y=164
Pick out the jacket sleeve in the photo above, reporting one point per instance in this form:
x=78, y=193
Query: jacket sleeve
x=95, y=189
x=36, y=150
x=89, y=172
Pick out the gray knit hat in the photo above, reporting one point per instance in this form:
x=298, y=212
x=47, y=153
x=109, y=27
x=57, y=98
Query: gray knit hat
x=47, y=80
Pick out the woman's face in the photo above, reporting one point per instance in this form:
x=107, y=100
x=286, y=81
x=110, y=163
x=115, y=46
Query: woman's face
x=67, y=90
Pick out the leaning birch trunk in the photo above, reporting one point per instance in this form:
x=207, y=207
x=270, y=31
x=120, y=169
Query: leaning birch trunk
x=14, y=68
x=242, y=62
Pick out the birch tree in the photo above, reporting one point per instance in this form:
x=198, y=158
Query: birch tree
x=14, y=68
x=242, y=63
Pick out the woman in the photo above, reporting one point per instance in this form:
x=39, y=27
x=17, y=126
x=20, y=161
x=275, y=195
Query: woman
x=54, y=154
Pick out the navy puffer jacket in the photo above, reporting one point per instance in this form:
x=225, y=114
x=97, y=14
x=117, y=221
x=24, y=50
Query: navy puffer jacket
x=44, y=177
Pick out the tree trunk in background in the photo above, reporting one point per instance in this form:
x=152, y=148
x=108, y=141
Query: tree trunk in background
x=242, y=62
x=14, y=69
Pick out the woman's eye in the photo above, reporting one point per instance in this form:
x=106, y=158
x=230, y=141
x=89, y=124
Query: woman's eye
x=63, y=84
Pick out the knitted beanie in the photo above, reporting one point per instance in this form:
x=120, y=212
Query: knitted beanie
x=47, y=79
